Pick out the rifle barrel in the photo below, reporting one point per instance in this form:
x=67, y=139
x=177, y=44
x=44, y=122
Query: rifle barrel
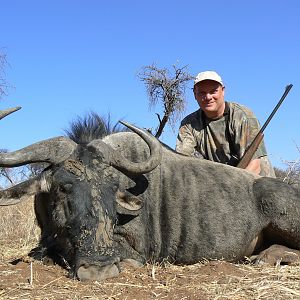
x=245, y=160
x=287, y=89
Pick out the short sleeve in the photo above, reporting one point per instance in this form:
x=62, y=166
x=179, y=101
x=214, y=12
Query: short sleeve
x=185, y=143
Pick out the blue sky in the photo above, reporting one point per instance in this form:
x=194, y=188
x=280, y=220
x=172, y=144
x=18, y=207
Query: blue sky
x=67, y=58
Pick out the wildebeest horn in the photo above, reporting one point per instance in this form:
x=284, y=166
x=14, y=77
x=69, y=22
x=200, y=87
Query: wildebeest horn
x=53, y=151
x=6, y=112
x=114, y=158
x=24, y=190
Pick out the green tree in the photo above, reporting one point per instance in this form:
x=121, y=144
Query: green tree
x=168, y=88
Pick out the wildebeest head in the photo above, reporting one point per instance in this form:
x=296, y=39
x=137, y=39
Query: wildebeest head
x=77, y=198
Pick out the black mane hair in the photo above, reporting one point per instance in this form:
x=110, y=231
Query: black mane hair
x=90, y=127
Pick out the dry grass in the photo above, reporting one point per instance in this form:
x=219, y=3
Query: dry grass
x=207, y=280
x=19, y=232
x=257, y=283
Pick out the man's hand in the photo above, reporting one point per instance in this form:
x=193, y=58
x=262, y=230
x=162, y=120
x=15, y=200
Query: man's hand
x=254, y=166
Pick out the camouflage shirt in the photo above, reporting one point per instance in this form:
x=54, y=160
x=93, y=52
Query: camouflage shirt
x=222, y=140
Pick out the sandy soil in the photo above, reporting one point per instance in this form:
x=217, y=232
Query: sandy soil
x=209, y=280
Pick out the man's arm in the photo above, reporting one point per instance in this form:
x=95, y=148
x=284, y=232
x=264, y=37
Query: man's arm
x=185, y=143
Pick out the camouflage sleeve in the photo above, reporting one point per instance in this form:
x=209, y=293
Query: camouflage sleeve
x=186, y=142
x=245, y=134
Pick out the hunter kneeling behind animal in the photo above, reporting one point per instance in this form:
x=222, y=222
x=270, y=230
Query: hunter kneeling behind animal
x=220, y=131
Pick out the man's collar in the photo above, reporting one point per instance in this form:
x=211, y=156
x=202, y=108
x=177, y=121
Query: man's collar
x=226, y=110
x=225, y=113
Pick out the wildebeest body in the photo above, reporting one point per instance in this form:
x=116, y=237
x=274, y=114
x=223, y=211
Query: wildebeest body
x=190, y=209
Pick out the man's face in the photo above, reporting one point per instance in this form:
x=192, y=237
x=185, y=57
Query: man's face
x=210, y=97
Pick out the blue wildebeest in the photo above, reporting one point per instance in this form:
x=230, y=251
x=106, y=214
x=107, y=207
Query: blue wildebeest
x=127, y=197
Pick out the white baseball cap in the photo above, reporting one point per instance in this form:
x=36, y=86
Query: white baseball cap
x=208, y=75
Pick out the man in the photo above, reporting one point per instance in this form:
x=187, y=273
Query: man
x=220, y=131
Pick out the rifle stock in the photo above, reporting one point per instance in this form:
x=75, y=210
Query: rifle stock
x=244, y=162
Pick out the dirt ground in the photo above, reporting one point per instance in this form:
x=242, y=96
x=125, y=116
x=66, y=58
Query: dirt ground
x=206, y=280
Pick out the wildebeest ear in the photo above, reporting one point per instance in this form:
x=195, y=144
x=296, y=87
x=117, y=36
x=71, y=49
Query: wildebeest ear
x=127, y=203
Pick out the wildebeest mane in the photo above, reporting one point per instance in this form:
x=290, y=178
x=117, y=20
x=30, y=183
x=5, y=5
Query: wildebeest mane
x=92, y=126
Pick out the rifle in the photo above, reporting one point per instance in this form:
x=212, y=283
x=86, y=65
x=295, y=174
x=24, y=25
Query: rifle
x=245, y=160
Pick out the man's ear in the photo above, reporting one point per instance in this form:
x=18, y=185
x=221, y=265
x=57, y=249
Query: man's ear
x=127, y=203
x=194, y=90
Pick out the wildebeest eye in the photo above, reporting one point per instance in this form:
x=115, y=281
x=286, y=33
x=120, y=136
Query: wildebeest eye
x=66, y=188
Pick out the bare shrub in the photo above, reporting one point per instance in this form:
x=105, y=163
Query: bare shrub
x=167, y=87
x=291, y=173
x=3, y=84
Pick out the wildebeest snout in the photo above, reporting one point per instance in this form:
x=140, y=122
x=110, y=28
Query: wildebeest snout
x=107, y=267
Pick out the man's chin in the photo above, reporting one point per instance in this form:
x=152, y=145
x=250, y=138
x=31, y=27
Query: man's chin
x=210, y=109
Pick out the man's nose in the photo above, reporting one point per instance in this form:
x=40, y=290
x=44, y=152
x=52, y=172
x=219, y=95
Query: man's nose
x=207, y=96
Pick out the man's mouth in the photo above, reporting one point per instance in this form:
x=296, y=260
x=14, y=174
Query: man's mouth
x=208, y=104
